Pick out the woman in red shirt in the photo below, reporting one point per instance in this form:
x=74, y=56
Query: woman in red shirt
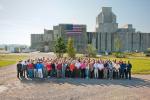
x=49, y=68
x=30, y=68
x=72, y=68
x=59, y=67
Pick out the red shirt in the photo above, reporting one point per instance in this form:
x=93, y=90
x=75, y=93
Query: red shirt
x=59, y=66
x=49, y=67
x=30, y=66
x=72, y=67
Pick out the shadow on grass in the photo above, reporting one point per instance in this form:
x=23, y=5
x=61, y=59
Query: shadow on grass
x=134, y=83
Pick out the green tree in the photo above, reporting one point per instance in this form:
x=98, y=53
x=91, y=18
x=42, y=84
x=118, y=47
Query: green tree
x=60, y=47
x=91, y=50
x=70, y=49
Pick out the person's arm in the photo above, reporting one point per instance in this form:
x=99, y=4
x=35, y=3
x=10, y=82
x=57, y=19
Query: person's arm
x=17, y=67
x=131, y=66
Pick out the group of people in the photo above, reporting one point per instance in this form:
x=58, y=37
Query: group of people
x=74, y=68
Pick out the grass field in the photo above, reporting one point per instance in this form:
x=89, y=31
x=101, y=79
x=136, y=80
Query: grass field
x=9, y=59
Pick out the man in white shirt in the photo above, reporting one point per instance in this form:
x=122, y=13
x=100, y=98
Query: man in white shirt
x=77, y=68
x=100, y=67
x=96, y=69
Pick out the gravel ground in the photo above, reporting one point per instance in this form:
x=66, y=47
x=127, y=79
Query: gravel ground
x=71, y=89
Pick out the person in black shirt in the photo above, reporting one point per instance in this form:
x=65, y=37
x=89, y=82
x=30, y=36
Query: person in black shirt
x=53, y=69
x=129, y=67
x=19, y=70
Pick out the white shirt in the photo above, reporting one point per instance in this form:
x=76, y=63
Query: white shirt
x=77, y=64
x=100, y=66
x=96, y=65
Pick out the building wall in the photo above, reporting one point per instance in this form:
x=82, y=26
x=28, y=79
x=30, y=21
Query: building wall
x=128, y=41
x=80, y=39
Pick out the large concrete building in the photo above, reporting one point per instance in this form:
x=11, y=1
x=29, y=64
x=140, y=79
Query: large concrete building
x=111, y=38
x=108, y=37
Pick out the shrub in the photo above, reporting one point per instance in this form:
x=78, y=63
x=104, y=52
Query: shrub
x=70, y=48
x=119, y=55
x=147, y=53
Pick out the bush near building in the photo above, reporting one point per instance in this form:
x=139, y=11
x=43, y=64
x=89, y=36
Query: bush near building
x=91, y=51
x=70, y=49
x=119, y=54
x=148, y=52
x=60, y=47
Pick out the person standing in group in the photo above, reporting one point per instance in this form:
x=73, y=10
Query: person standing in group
x=91, y=69
x=39, y=67
x=87, y=69
x=19, y=70
x=48, y=68
x=24, y=68
x=45, y=72
x=53, y=69
x=30, y=68
x=100, y=68
x=105, y=70
x=77, y=65
x=117, y=67
x=72, y=68
x=35, y=69
x=96, y=69
x=64, y=65
x=110, y=69
x=83, y=69
x=125, y=70
x=59, y=67
x=121, y=70
x=129, y=67
x=67, y=71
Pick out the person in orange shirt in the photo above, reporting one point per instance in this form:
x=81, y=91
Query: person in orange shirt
x=72, y=69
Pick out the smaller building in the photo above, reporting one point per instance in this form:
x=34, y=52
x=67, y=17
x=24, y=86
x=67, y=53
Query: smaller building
x=45, y=42
x=42, y=42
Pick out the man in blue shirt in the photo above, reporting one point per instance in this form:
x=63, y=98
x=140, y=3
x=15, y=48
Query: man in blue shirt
x=39, y=67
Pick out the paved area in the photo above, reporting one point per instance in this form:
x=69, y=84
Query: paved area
x=71, y=89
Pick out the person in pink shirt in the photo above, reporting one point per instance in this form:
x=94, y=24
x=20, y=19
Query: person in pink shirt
x=59, y=67
x=83, y=66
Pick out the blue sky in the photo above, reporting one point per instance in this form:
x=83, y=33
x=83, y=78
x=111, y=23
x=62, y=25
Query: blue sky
x=20, y=18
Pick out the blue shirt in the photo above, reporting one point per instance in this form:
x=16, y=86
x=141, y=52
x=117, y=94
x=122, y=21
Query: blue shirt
x=39, y=66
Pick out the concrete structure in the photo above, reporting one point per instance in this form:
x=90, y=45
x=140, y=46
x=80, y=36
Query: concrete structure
x=106, y=21
x=111, y=38
x=45, y=42
x=108, y=37
x=75, y=31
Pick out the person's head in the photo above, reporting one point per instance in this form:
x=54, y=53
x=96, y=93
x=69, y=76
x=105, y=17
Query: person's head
x=20, y=62
x=124, y=62
x=128, y=62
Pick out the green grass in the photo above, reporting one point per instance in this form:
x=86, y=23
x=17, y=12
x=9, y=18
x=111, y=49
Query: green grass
x=6, y=63
x=9, y=59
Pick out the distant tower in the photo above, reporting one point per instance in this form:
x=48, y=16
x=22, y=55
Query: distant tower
x=106, y=21
x=105, y=27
